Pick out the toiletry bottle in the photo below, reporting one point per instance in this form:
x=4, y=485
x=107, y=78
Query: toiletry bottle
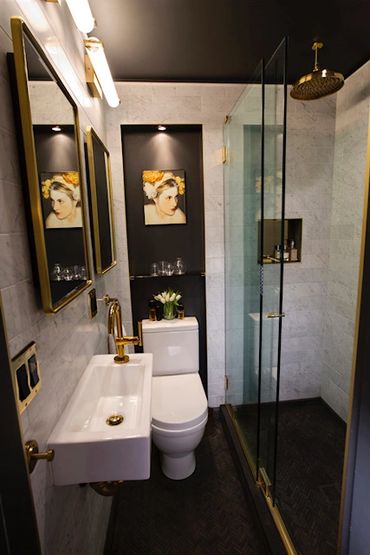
x=293, y=252
x=158, y=310
x=152, y=310
x=180, y=311
x=286, y=253
x=277, y=252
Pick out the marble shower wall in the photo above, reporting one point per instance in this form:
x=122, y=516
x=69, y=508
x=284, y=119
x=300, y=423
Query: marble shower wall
x=309, y=173
x=349, y=173
x=150, y=103
x=70, y=519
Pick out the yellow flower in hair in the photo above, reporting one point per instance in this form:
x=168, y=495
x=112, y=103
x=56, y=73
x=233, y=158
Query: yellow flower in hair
x=72, y=177
x=152, y=176
x=45, y=189
x=180, y=184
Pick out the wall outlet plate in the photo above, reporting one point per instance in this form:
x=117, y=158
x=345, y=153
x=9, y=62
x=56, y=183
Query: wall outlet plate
x=27, y=375
x=93, y=305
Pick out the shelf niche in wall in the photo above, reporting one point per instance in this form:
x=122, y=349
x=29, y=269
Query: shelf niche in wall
x=178, y=148
x=272, y=237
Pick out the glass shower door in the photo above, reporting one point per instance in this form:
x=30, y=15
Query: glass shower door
x=243, y=190
x=273, y=251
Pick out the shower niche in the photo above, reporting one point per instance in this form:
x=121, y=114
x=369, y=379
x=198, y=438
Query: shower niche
x=273, y=249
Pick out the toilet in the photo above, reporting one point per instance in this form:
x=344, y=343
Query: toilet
x=179, y=404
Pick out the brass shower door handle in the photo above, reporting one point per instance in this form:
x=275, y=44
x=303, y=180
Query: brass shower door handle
x=33, y=455
x=275, y=315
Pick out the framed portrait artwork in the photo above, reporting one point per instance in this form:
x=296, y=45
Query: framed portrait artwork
x=164, y=197
x=61, y=199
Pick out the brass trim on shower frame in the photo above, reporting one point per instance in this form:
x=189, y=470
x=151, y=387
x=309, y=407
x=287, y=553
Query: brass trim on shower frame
x=90, y=136
x=20, y=30
x=365, y=216
x=263, y=484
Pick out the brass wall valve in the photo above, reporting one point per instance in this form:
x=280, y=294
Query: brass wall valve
x=33, y=455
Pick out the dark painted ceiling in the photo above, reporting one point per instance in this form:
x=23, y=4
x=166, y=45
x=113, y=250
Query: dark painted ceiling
x=223, y=40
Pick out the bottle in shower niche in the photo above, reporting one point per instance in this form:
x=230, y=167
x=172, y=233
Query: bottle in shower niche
x=293, y=252
x=277, y=252
x=286, y=253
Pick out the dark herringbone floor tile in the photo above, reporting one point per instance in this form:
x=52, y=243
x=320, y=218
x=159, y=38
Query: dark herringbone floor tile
x=204, y=514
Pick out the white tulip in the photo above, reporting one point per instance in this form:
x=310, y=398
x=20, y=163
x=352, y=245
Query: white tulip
x=178, y=297
x=173, y=297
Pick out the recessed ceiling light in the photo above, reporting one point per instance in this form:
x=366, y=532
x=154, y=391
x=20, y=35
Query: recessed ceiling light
x=161, y=128
x=56, y=128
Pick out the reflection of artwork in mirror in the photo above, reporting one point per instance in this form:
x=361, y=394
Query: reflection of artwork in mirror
x=101, y=202
x=51, y=150
x=164, y=197
x=61, y=199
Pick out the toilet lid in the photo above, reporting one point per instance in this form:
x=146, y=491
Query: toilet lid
x=178, y=401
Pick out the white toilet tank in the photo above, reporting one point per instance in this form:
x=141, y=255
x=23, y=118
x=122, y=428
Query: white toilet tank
x=174, y=344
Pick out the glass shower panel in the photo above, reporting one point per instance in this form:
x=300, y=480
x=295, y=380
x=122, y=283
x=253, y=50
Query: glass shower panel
x=272, y=252
x=243, y=136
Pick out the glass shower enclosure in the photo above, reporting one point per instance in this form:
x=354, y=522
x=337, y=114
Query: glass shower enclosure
x=254, y=266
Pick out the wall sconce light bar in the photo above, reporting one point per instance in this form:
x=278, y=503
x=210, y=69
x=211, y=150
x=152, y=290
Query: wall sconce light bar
x=95, y=50
x=81, y=13
x=91, y=79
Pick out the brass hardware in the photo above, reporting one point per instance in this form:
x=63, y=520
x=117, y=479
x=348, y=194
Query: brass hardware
x=224, y=154
x=140, y=332
x=107, y=488
x=33, y=455
x=318, y=83
x=275, y=315
x=264, y=482
x=107, y=299
x=91, y=79
x=121, y=357
x=115, y=419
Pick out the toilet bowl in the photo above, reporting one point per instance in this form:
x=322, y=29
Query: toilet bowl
x=179, y=404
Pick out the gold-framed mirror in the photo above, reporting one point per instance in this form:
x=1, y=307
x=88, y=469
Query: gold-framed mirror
x=52, y=155
x=100, y=180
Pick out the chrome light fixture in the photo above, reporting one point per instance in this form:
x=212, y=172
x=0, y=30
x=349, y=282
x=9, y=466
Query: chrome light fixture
x=82, y=15
x=95, y=51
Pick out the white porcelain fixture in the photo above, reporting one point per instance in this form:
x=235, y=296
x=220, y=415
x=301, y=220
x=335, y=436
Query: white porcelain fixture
x=87, y=449
x=179, y=404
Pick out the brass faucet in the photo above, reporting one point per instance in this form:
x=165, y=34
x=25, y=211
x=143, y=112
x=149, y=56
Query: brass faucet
x=115, y=328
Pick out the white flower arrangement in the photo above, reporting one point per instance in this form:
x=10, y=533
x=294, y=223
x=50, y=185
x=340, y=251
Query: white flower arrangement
x=170, y=300
x=168, y=296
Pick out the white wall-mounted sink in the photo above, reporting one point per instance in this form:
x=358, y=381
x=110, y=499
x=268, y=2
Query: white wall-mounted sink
x=87, y=449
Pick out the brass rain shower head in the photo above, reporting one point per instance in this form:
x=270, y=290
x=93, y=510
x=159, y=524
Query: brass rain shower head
x=319, y=83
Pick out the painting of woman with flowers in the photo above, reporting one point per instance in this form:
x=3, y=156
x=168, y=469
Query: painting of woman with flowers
x=164, y=197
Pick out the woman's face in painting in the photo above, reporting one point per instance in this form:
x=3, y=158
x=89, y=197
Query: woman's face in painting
x=167, y=201
x=63, y=206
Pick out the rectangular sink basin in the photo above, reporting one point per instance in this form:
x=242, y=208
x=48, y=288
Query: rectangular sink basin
x=87, y=448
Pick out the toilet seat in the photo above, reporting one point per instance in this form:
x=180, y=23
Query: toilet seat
x=178, y=402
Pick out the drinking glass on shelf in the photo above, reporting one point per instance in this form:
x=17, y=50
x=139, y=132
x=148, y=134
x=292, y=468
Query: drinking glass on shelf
x=68, y=274
x=154, y=269
x=179, y=266
x=169, y=269
x=162, y=266
x=57, y=272
x=76, y=272
x=83, y=274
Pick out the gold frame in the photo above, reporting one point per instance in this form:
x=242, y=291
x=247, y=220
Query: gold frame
x=90, y=136
x=20, y=30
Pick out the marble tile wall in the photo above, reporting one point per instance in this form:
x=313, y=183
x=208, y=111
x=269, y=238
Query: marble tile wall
x=149, y=103
x=70, y=519
x=309, y=173
x=349, y=174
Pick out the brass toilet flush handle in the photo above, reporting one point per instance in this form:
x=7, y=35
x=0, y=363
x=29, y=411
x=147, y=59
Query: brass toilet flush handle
x=33, y=455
